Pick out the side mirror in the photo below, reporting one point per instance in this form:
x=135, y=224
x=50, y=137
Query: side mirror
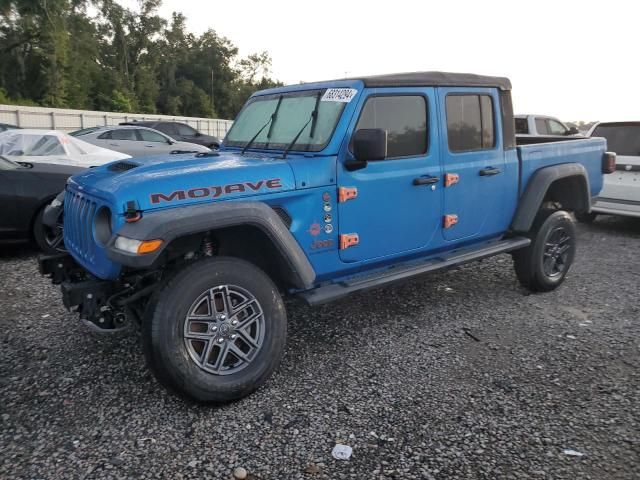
x=369, y=144
x=573, y=131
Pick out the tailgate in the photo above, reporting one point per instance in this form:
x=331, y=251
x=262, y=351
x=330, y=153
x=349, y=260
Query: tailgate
x=624, y=183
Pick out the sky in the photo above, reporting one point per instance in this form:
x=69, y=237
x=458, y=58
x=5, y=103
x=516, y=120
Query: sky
x=577, y=60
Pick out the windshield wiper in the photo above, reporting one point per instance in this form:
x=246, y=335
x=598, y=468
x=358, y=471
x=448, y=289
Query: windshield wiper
x=312, y=118
x=273, y=116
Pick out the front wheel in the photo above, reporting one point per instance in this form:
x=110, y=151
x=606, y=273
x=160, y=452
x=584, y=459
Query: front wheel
x=48, y=240
x=216, y=330
x=543, y=265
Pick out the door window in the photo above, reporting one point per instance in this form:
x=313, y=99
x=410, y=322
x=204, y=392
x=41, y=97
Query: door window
x=185, y=130
x=470, y=123
x=404, y=117
x=541, y=126
x=150, y=136
x=556, y=128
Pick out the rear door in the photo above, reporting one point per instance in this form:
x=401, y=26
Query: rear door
x=122, y=140
x=473, y=162
x=397, y=202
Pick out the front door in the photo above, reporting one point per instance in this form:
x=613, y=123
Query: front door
x=393, y=205
x=474, y=163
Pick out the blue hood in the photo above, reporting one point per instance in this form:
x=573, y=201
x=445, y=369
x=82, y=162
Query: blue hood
x=175, y=180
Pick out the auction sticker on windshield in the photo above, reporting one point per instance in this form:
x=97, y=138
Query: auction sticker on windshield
x=344, y=95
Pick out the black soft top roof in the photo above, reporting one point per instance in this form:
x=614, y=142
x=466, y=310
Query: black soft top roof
x=435, y=79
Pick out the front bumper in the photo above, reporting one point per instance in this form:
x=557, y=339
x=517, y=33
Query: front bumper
x=90, y=297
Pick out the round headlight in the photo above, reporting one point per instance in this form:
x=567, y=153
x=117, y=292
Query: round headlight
x=103, y=228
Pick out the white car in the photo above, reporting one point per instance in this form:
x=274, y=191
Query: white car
x=136, y=141
x=620, y=194
x=50, y=146
x=542, y=125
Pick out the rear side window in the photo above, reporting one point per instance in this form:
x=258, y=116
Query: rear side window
x=541, y=126
x=105, y=135
x=123, y=134
x=522, y=126
x=624, y=139
x=404, y=117
x=470, y=124
x=168, y=128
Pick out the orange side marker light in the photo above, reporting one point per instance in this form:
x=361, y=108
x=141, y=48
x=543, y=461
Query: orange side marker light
x=149, y=246
x=450, y=220
x=348, y=240
x=451, y=179
x=347, y=193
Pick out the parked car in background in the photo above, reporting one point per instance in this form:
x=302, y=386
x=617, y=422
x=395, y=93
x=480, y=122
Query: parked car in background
x=25, y=189
x=542, y=125
x=7, y=126
x=621, y=192
x=136, y=141
x=180, y=131
x=51, y=146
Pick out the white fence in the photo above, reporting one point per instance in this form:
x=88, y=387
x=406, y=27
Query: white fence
x=70, y=120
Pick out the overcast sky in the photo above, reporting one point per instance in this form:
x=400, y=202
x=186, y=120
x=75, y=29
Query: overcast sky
x=578, y=60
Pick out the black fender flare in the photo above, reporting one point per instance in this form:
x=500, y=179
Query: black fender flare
x=173, y=223
x=538, y=186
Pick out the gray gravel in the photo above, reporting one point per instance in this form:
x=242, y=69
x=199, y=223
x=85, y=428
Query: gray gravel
x=458, y=375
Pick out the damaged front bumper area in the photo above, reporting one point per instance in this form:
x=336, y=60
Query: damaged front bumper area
x=103, y=305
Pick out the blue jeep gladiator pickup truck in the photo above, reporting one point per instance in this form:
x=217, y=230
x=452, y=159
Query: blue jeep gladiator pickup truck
x=319, y=190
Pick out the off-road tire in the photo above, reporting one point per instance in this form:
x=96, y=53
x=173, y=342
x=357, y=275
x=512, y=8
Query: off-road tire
x=163, y=334
x=529, y=262
x=586, y=217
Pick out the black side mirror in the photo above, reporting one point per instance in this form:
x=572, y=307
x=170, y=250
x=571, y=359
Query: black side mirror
x=573, y=131
x=369, y=144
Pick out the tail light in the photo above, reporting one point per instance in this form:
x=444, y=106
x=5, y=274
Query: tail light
x=609, y=162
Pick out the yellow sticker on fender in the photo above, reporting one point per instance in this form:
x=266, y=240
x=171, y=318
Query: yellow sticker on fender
x=344, y=95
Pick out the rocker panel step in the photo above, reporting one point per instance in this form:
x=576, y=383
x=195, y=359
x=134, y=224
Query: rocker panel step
x=338, y=290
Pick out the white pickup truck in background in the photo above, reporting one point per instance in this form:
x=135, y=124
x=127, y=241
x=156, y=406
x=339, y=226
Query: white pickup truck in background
x=620, y=194
x=542, y=125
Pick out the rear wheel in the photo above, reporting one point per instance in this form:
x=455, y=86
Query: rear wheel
x=544, y=264
x=216, y=331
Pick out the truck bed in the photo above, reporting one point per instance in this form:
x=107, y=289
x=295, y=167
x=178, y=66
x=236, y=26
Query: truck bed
x=539, y=152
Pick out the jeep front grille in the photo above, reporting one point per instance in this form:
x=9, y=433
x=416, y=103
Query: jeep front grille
x=78, y=225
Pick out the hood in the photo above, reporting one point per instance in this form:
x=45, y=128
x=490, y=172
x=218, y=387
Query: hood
x=177, y=180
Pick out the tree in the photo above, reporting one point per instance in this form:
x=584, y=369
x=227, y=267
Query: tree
x=55, y=53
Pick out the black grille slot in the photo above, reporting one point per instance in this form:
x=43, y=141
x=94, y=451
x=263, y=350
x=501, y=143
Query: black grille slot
x=284, y=216
x=122, y=166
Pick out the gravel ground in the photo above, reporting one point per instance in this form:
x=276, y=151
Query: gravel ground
x=458, y=375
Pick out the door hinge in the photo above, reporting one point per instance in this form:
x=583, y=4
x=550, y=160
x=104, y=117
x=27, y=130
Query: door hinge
x=449, y=220
x=348, y=240
x=451, y=179
x=347, y=193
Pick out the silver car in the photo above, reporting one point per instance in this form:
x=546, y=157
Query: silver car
x=135, y=141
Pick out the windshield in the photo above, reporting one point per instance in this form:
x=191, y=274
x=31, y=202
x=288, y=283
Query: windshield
x=622, y=138
x=295, y=109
